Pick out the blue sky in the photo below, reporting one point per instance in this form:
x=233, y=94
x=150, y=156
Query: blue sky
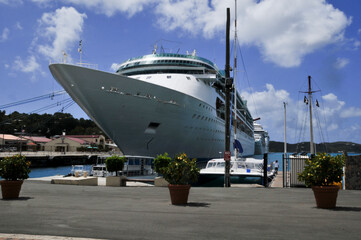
x=281, y=42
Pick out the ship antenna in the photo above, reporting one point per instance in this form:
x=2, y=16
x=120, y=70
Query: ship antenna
x=65, y=56
x=80, y=50
x=155, y=49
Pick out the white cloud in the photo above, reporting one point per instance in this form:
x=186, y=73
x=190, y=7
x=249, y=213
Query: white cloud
x=4, y=35
x=11, y=2
x=329, y=97
x=351, y=112
x=356, y=44
x=341, y=63
x=114, y=67
x=192, y=16
x=63, y=27
x=285, y=31
x=18, y=26
x=332, y=115
x=267, y=101
x=111, y=7
x=268, y=105
x=332, y=106
x=41, y=1
x=28, y=66
x=332, y=127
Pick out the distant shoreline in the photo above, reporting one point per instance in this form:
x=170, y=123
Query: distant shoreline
x=333, y=147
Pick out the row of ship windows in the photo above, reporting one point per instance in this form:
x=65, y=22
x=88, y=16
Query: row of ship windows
x=169, y=77
x=165, y=62
x=209, y=119
x=139, y=95
x=206, y=107
x=158, y=71
x=171, y=55
x=205, y=129
x=210, y=139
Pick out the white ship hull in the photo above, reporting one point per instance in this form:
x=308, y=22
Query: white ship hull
x=152, y=114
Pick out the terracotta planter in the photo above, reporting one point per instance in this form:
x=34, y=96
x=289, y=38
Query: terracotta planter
x=10, y=189
x=179, y=193
x=326, y=196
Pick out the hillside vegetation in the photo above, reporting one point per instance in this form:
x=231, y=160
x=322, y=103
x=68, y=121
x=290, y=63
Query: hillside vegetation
x=321, y=147
x=46, y=124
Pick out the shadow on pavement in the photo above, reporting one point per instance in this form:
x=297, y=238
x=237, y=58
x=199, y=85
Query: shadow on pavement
x=194, y=204
x=347, y=209
x=18, y=199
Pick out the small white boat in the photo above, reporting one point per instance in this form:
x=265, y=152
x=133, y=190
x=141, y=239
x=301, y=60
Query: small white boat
x=134, y=166
x=78, y=170
x=100, y=170
x=241, y=167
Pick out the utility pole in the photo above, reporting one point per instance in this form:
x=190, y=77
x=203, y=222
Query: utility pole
x=228, y=86
x=285, y=144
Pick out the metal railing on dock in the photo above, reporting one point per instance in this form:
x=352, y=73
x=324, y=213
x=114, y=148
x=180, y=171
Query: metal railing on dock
x=292, y=165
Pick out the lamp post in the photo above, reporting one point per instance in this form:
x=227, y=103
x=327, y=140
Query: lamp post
x=62, y=139
x=21, y=138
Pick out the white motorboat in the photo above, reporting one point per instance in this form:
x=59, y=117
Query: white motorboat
x=78, y=171
x=240, y=167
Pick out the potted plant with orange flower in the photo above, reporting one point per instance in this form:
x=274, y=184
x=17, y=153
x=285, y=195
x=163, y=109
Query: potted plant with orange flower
x=180, y=173
x=321, y=173
x=13, y=170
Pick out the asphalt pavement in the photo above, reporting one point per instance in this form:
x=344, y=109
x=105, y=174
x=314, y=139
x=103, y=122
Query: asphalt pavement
x=99, y=212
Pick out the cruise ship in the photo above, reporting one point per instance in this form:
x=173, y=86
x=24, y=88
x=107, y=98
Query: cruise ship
x=261, y=139
x=161, y=102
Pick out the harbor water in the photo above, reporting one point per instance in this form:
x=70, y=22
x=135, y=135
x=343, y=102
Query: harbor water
x=64, y=170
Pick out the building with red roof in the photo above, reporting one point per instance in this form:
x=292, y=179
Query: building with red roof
x=66, y=144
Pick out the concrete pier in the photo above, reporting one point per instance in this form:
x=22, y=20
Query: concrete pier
x=146, y=213
x=278, y=180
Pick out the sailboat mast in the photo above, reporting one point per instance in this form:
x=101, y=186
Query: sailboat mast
x=235, y=71
x=285, y=143
x=312, y=151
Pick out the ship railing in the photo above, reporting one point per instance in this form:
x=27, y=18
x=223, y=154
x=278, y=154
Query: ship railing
x=88, y=65
x=81, y=64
